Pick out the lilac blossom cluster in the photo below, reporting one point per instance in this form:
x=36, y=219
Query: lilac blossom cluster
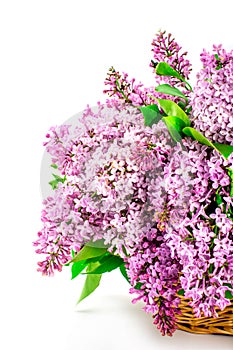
x=165, y=208
x=202, y=242
x=121, y=87
x=192, y=254
x=154, y=276
x=212, y=99
x=57, y=237
x=114, y=168
x=165, y=49
x=200, y=245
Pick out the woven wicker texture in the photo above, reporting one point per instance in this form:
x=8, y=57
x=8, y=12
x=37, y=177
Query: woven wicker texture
x=205, y=325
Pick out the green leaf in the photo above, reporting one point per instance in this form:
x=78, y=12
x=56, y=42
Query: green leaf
x=138, y=286
x=77, y=268
x=124, y=272
x=91, y=283
x=151, y=114
x=228, y=285
x=172, y=109
x=174, y=126
x=230, y=174
x=53, y=184
x=97, y=244
x=219, y=200
x=88, y=252
x=225, y=150
x=196, y=135
x=165, y=69
x=228, y=294
x=54, y=166
x=211, y=268
x=153, y=107
x=181, y=292
x=109, y=263
x=170, y=90
x=188, y=110
x=218, y=59
x=182, y=105
x=69, y=262
x=57, y=179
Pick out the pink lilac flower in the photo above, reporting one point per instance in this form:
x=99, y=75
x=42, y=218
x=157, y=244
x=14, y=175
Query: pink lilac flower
x=166, y=49
x=199, y=244
x=212, y=97
x=120, y=87
x=196, y=240
x=165, y=208
x=154, y=276
x=203, y=241
x=57, y=237
x=113, y=167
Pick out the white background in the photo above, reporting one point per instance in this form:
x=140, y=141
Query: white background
x=54, y=56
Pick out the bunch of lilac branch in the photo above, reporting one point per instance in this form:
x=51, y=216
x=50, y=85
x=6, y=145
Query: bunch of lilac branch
x=202, y=244
x=166, y=209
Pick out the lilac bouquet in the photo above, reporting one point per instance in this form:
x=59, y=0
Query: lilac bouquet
x=144, y=183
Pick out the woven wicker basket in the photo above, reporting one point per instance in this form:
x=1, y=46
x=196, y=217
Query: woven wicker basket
x=205, y=325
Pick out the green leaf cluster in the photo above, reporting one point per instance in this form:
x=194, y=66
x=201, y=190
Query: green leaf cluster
x=57, y=179
x=93, y=261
